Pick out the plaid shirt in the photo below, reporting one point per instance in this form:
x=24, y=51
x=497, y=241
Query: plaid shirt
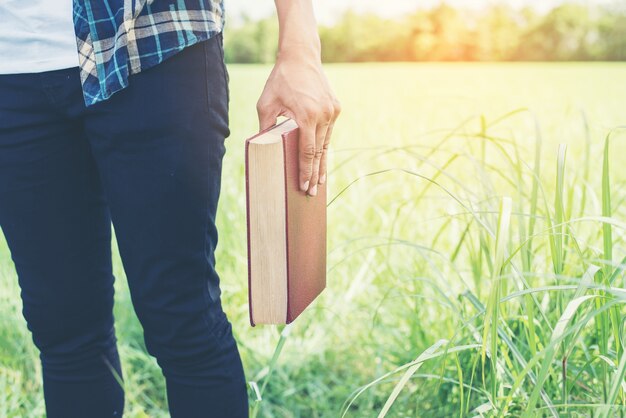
x=117, y=38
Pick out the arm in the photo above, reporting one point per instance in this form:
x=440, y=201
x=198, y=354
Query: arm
x=297, y=88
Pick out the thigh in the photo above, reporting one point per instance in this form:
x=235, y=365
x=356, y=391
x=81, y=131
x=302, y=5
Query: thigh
x=159, y=144
x=53, y=215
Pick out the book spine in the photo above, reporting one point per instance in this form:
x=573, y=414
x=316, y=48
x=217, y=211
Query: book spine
x=289, y=317
x=247, y=176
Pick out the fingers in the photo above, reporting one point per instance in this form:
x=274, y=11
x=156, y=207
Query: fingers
x=324, y=159
x=336, y=106
x=314, y=147
x=267, y=115
x=306, y=154
x=320, y=136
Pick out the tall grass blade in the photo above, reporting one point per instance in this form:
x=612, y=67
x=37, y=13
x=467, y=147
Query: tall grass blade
x=550, y=352
x=616, y=384
x=607, y=234
x=528, y=248
x=407, y=375
x=490, y=332
x=356, y=394
x=279, y=347
x=559, y=213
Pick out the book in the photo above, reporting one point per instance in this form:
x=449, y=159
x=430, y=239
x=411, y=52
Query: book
x=286, y=229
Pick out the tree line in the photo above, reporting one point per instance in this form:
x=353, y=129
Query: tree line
x=569, y=32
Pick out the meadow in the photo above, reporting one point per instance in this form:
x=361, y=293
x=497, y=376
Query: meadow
x=476, y=225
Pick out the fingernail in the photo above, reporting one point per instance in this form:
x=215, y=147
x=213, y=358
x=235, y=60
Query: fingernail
x=305, y=186
x=322, y=178
x=314, y=190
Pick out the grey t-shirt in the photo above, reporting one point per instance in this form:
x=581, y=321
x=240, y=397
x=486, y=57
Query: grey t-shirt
x=36, y=36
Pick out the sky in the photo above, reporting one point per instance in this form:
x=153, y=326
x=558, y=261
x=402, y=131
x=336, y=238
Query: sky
x=328, y=10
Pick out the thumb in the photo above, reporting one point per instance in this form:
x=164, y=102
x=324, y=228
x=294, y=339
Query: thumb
x=267, y=116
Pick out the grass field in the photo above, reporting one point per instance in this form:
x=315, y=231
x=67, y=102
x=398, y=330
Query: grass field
x=476, y=254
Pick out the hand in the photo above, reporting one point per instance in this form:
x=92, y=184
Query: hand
x=298, y=88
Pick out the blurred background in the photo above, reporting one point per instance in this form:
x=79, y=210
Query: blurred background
x=476, y=220
x=455, y=30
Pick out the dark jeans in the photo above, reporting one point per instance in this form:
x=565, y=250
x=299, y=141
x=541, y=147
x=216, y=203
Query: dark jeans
x=149, y=160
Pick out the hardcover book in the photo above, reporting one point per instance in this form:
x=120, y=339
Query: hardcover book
x=286, y=229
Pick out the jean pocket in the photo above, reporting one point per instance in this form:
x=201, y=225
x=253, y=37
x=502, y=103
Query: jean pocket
x=224, y=68
x=217, y=79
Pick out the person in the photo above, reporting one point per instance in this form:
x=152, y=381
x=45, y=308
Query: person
x=113, y=119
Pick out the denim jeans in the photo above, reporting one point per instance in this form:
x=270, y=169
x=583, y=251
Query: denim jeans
x=149, y=161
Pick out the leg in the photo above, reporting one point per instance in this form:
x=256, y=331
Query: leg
x=159, y=145
x=57, y=225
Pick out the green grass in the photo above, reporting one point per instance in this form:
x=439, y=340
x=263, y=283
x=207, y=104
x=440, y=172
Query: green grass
x=476, y=254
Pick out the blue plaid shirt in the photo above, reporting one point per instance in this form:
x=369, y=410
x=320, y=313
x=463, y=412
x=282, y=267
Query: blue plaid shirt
x=117, y=38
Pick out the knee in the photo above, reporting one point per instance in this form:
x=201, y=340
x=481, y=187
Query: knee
x=70, y=339
x=190, y=351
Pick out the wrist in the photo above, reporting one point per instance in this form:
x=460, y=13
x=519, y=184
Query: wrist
x=300, y=49
x=298, y=36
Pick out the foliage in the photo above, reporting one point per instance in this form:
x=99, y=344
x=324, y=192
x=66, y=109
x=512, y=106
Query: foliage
x=569, y=32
